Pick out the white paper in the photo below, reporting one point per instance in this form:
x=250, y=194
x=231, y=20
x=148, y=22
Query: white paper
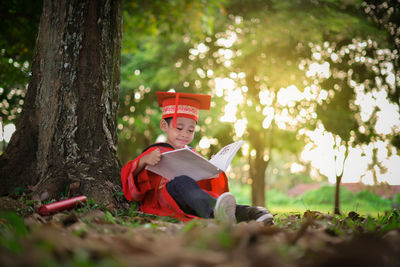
x=225, y=156
x=184, y=161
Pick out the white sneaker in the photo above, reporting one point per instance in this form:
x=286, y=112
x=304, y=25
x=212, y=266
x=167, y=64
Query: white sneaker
x=266, y=219
x=225, y=208
x=261, y=214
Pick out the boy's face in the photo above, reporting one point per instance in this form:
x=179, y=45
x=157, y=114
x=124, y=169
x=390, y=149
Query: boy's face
x=180, y=136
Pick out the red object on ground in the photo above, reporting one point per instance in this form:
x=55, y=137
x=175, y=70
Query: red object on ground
x=61, y=205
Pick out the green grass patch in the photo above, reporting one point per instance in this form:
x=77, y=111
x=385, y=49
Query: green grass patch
x=12, y=230
x=321, y=199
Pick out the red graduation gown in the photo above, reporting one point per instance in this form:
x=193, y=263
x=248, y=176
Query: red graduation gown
x=149, y=189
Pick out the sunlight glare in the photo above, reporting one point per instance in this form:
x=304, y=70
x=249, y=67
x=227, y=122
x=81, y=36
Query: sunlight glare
x=229, y=113
x=233, y=98
x=241, y=75
x=222, y=84
x=388, y=115
x=245, y=149
x=204, y=142
x=202, y=48
x=161, y=138
x=266, y=98
x=201, y=73
x=334, y=57
x=311, y=92
x=240, y=127
x=269, y=113
x=323, y=95
x=228, y=54
x=194, y=52
x=366, y=103
x=229, y=41
x=9, y=129
x=321, y=70
x=392, y=175
x=296, y=168
x=316, y=55
x=319, y=152
x=289, y=95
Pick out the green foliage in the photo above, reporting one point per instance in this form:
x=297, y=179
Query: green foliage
x=12, y=229
x=241, y=192
x=18, y=28
x=385, y=15
x=396, y=199
x=336, y=116
x=355, y=224
x=325, y=195
x=90, y=204
x=157, y=35
x=275, y=197
x=321, y=199
x=18, y=191
x=364, y=200
x=369, y=197
x=19, y=22
x=351, y=224
x=144, y=18
x=225, y=238
x=108, y=217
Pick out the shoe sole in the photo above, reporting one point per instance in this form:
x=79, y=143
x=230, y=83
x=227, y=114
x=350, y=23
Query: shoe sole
x=225, y=208
x=266, y=219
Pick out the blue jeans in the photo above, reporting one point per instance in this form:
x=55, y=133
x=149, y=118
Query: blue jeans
x=190, y=197
x=193, y=200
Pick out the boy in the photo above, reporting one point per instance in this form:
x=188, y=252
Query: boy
x=182, y=197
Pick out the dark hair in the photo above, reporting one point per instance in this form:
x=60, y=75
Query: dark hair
x=168, y=120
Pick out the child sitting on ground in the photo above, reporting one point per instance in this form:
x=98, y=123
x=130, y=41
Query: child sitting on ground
x=182, y=197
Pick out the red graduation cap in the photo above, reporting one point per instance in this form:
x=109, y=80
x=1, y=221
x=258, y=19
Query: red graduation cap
x=182, y=105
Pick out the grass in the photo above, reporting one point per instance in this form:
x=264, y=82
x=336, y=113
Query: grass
x=322, y=199
x=345, y=209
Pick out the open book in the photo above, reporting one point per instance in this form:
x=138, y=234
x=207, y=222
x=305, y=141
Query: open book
x=184, y=161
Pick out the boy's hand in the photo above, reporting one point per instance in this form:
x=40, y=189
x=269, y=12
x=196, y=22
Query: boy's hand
x=152, y=158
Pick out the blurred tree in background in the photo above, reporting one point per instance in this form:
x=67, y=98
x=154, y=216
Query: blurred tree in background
x=362, y=78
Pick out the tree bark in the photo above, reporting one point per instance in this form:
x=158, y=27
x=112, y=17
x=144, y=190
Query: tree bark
x=67, y=130
x=337, y=194
x=257, y=167
x=339, y=181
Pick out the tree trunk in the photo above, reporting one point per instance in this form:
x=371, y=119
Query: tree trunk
x=337, y=193
x=67, y=130
x=257, y=167
x=339, y=180
x=257, y=170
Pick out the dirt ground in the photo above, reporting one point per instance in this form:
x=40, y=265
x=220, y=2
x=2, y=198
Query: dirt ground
x=93, y=236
